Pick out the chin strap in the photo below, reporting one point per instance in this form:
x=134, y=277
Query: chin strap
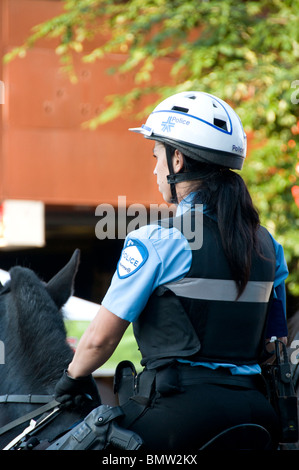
x=188, y=176
x=171, y=176
x=174, y=178
x=204, y=173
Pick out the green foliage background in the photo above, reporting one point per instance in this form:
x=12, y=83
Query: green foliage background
x=245, y=52
x=126, y=349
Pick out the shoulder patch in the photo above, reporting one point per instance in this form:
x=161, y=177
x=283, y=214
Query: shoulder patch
x=133, y=256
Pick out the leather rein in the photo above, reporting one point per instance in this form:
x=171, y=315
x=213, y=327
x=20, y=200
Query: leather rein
x=48, y=402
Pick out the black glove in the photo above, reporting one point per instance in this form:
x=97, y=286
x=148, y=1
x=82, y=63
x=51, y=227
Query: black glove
x=75, y=392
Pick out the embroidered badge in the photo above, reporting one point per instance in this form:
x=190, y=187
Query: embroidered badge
x=133, y=256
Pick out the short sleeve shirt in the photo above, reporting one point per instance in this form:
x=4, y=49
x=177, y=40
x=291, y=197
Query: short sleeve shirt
x=153, y=256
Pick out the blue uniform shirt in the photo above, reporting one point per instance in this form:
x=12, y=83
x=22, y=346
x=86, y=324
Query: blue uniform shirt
x=153, y=256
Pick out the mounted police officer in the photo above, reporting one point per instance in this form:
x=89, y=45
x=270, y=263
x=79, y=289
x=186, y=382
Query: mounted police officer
x=201, y=313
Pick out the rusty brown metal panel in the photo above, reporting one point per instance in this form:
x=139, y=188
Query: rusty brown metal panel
x=3, y=23
x=47, y=155
x=42, y=96
x=74, y=167
x=23, y=15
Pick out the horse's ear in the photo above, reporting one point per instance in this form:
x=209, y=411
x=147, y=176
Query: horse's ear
x=61, y=286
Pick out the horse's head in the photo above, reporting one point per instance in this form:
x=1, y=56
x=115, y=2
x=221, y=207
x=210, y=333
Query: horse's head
x=36, y=350
x=33, y=330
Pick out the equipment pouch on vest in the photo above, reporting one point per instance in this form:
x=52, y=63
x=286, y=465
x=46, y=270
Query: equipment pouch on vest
x=281, y=394
x=167, y=380
x=124, y=381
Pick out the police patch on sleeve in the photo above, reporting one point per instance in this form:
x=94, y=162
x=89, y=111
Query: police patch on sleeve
x=133, y=256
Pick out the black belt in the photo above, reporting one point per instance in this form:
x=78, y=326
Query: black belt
x=189, y=375
x=171, y=379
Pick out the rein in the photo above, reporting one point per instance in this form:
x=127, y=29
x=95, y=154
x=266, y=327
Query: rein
x=33, y=399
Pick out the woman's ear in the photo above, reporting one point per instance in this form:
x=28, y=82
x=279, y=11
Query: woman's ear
x=177, y=161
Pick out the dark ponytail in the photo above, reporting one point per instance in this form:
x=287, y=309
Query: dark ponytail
x=227, y=197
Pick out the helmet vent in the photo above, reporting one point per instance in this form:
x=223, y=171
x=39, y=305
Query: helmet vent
x=179, y=108
x=220, y=123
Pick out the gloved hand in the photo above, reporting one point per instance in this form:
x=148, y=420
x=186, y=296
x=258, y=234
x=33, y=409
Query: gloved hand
x=75, y=392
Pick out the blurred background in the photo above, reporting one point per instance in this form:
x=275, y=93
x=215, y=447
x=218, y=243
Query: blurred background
x=48, y=158
x=75, y=75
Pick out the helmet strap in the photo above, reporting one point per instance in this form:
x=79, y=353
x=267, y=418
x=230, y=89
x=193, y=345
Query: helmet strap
x=188, y=176
x=204, y=173
x=169, y=155
x=174, y=178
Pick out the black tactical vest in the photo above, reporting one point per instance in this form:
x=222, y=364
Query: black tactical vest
x=198, y=318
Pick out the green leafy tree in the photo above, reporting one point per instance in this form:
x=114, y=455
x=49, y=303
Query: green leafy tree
x=245, y=52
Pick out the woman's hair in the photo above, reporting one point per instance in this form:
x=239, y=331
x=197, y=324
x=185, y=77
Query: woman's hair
x=226, y=196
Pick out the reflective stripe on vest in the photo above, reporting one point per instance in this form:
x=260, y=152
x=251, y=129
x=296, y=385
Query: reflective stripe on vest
x=220, y=289
x=199, y=317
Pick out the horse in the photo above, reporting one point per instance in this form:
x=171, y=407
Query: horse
x=36, y=350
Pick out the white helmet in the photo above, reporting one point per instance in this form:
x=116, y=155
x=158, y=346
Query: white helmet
x=201, y=126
